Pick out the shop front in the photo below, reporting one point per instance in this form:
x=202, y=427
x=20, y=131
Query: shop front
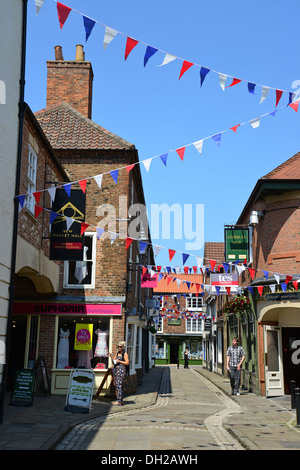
x=67, y=336
x=170, y=349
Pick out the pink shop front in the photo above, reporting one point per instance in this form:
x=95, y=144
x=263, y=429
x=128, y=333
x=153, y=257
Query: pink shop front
x=66, y=336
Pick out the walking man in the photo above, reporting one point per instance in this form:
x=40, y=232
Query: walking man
x=235, y=359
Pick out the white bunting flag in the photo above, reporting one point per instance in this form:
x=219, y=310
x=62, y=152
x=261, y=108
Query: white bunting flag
x=38, y=5
x=113, y=237
x=199, y=261
x=178, y=282
x=240, y=269
x=52, y=192
x=264, y=93
x=222, y=79
x=198, y=145
x=98, y=180
x=147, y=163
x=255, y=122
x=272, y=287
x=69, y=222
x=157, y=250
x=108, y=36
x=277, y=277
x=168, y=58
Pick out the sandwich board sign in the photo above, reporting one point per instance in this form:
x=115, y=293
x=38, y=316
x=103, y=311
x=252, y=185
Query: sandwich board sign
x=80, y=391
x=22, y=394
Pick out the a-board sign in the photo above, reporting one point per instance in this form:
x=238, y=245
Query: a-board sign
x=80, y=391
x=22, y=394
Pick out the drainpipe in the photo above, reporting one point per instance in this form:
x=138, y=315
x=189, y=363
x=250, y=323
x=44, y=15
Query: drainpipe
x=22, y=107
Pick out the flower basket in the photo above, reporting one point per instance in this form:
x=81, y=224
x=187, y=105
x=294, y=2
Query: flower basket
x=237, y=306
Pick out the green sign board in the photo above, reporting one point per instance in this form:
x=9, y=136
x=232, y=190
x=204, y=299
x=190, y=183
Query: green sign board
x=22, y=394
x=236, y=244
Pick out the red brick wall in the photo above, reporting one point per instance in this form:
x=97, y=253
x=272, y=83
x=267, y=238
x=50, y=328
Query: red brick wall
x=71, y=82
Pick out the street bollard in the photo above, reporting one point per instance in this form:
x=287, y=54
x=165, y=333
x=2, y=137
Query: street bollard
x=297, y=405
x=292, y=387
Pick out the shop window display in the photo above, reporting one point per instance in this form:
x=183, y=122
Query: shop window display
x=82, y=343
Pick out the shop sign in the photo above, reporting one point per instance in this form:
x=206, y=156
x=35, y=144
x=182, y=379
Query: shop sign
x=174, y=321
x=207, y=324
x=223, y=280
x=22, y=394
x=80, y=391
x=67, y=244
x=53, y=308
x=236, y=244
x=148, y=281
x=83, y=336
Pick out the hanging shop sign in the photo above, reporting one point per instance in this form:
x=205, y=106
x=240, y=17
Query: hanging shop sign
x=236, y=244
x=83, y=336
x=222, y=281
x=67, y=241
x=148, y=280
x=53, y=308
x=80, y=391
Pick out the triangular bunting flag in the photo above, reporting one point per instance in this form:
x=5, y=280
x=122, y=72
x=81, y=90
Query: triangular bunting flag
x=277, y=277
x=69, y=222
x=108, y=36
x=171, y=254
x=199, y=261
x=251, y=272
x=278, y=96
x=218, y=290
x=217, y=138
x=67, y=188
x=114, y=174
x=295, y=284
x=38, y=5
x=272, y=287
x=185, y=256
x=113, y=237
x=82, y=184
x=203, y=72
x=143, y=246
x=100, y=231
x=88, y=26
x=235, y=81
x=212, y=264
x=63, y=12
x=234, y=128
x=251, y=88
x=260, y=289
x=181, y=152
x=199, y=145
x=52, y=192
x=255, y=122
x=222, y=80
x=37, y=197
x=98, y=179
x=168, y=58
x=164, y=158
x=226, y=267
x=150, y=51
x=185, y=66
x=83, y=227
x=129, y=167
x=264, y=93
x=288, y=279
x=53, y=216
x=266, y=273
x=228, y=289
x=294, y=105
x=147, y=163
x=250, y=288
x=128, y=242
x=130, y=44
x=283, y=287
x=37, y=211
x=157, y=250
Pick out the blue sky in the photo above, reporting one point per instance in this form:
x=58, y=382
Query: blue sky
x=150, y=107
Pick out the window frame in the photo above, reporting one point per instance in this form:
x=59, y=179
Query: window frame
x=68, y=285
x=31, y=177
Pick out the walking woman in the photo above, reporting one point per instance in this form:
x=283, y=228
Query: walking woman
x=120, y=360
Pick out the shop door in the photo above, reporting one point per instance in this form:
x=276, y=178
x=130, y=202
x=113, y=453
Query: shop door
x=273, y=362
x=290, y=348
x=174, y=353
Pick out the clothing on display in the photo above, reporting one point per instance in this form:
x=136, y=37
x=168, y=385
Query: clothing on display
x=84, y=359
x=101, y=349
x=63, y=349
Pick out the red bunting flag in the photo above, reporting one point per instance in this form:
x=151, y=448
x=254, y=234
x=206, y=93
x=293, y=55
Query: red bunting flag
x=82, y=184
x=128, y=242
x=37, y=197
x=169, y=279
x=212, y=264
x=278, y=96
x=234, y=128
x=198, y=287
x=228, y=288
x=195, y=269
x=171, y=254
x=83, y=227
x=252, y=272
x=235, y=81
x=295, y=284
x=63, y=12
x=37, y=211
x=288, y=279
x=129, y=167
x=181, y=152
x=185, y=66
x=186, y=269
x=294, y=105
x=260, y=289
x=130, y=44
x=144, y=270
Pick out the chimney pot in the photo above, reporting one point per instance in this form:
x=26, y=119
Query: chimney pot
x=79, y=53
x=58, y=53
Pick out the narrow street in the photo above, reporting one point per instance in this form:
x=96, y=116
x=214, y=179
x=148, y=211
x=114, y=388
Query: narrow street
x=187, y=416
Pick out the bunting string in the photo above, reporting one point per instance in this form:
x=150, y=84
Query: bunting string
x=198, y=145
x=110, y=33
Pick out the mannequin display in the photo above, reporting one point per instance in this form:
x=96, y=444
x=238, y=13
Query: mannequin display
x=84, y=359
x=63, y=348
x=101, y=349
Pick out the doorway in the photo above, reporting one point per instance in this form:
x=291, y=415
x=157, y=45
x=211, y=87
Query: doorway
x=17, y=349
x=290, y=359
x=174, y=353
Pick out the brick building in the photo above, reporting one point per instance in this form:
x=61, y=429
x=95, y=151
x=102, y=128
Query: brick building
x=101, y=290
x=272, y=212
x=180, y=323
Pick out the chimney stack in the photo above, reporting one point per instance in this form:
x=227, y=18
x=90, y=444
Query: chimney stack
x=70, y=81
